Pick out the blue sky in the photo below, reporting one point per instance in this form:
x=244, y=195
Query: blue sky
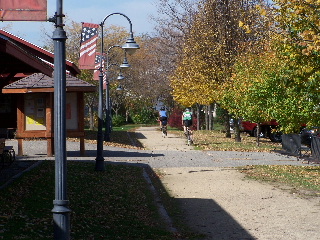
x=93, y=11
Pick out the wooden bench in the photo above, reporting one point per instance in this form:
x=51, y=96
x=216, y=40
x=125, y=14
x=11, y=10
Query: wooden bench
x=7, y=154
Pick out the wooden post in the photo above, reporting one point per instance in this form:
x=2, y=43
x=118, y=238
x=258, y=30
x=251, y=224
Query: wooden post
x=49, y=124
x=80, y=98
x=20, y=123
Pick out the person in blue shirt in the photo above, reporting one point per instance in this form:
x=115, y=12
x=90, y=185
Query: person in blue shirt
x=163, y=118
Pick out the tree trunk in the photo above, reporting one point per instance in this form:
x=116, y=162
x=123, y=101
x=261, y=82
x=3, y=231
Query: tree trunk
x=210, y=116
x=127, y=116
x=227, y=123
x=258, y=131
x=198, y=116
x=206, y=117
x=91, y=118
x=237, y=135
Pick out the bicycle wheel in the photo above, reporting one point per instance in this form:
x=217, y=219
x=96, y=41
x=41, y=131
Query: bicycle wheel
x=164, y=131
x=189, y=138
x=6, y=158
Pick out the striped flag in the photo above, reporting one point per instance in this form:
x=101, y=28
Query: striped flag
x=96, y=72
x=88, y=46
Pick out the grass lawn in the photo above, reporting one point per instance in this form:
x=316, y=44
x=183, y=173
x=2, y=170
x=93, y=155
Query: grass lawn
x=302, y=180
x=216, y=140
x=114, y=204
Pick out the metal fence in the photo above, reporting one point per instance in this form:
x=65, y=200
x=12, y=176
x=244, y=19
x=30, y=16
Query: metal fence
x=315, y=148
x=292, y=144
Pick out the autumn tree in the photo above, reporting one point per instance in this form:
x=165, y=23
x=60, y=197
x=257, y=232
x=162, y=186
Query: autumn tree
x=285, y=85
x=298, y=44
x=210, y=50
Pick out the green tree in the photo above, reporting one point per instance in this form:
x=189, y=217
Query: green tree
x=211, y=48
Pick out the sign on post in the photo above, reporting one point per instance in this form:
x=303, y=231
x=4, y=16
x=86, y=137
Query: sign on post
x=23, y=10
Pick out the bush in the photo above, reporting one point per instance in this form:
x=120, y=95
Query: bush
x=118, y=120
x=144, y=116
x=174, y=119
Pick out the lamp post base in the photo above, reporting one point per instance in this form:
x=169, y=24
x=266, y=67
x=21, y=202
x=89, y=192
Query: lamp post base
x=100, y=166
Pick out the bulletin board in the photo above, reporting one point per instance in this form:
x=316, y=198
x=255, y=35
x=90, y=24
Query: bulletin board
x=35, y=111
x=71, y=111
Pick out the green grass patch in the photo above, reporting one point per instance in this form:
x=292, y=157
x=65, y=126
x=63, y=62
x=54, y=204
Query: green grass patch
x=305, y=179
x=216, y=141
x=113, y=204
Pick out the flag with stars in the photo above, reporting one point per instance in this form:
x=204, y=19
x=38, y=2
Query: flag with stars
x=98, y=59
x=88, y=45
x=96, y=72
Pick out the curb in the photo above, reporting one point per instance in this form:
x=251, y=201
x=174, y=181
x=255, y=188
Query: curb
x=163, y=212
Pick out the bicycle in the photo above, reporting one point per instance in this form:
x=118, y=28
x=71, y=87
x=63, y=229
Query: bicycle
x=189, y=136
x=164, y=128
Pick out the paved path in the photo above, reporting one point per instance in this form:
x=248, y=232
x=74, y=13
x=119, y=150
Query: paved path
x=216, y=199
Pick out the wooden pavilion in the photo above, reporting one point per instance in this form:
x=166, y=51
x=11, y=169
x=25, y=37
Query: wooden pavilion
x=26, y=102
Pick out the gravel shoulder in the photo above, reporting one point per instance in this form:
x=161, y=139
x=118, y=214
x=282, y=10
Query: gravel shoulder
x=222, y=204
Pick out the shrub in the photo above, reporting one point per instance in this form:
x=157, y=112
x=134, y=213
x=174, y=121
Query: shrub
x=118, y=120
x=145, y=116
x=176, y=122
x=174, y=119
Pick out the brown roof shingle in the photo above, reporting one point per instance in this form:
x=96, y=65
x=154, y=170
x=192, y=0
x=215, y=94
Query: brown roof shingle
x=39, y=82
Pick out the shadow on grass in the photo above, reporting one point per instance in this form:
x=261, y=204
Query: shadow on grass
x=114, y=204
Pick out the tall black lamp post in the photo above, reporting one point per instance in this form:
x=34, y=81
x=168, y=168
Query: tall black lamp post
x=130, y=46
x=61, y=211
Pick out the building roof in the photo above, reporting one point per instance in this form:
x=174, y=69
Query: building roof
x=20, y=58
x=39, y=82
x=38, y=51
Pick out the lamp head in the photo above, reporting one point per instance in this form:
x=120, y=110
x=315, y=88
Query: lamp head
x=125, y=63
x=130, y=46
x=120, y=76
x=119, y=88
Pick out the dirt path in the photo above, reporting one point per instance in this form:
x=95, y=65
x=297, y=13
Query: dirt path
x=222, y=204
x=152, y=139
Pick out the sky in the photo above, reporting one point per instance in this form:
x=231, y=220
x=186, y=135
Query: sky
x=91, y=11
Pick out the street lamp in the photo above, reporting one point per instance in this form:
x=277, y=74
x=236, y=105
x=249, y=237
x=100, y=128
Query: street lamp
x=61, y=210
x=124, y=64
x=108, y=103
x=130, y=46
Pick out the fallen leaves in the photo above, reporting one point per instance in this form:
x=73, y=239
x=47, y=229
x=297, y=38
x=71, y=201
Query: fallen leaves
x=302, y=178
x=215, y=140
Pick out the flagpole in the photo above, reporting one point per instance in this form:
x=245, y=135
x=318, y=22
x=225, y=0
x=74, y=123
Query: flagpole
x=61, y=211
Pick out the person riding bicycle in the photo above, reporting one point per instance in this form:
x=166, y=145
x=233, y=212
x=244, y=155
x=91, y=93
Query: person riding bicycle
x=163, y=118
x=186, y=119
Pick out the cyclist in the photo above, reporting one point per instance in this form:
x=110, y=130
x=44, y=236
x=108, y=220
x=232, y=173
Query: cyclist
x=163, y=118
x=186, y=119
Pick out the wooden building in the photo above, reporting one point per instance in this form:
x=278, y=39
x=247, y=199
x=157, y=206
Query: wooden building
x=26, y=101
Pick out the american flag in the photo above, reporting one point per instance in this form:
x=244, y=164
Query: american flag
x=96, y=72
x=88, y=45
x=99, y=57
